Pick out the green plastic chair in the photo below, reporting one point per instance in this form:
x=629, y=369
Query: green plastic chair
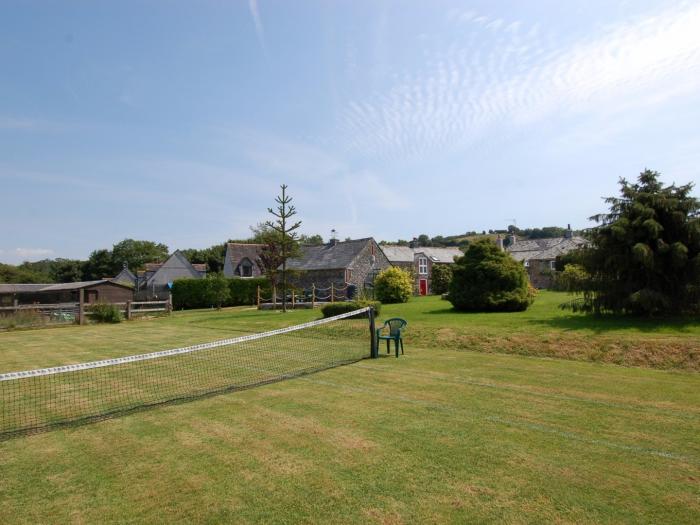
x=396, y=326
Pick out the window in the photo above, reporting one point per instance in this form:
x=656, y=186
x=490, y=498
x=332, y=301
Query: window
x=422, y=266
x=245, y=268
x=527, y=264
x=348, y=275
x=552, y=265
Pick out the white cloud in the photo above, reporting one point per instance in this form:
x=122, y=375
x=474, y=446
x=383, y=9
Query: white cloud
x=469, y=86
x=259, y=31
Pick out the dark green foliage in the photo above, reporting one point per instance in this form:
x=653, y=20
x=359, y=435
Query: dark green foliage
x=99, y=265
x=332, y=309
x=393, y=285
x=487, y=279
x=442, y=276
x=213, y=257
x=137, y=253
x=645, y=257
x=245, y=291
x=217, y=291
x=105, y=313
x=15, y=274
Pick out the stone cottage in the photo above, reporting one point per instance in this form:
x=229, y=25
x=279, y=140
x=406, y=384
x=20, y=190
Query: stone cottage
x=420, y=261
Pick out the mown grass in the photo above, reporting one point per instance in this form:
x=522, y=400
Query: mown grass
x=438, y=436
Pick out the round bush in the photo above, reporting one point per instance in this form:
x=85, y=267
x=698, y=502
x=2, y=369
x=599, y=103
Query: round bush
x=393, y=285
x=487, y=279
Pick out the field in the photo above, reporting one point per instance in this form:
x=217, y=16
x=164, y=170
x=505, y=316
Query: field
x=477, y=423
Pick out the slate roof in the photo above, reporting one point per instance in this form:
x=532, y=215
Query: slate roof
x=20, y=288
x=125, y=276
x=329, y=256
x=545, y=249
x=237, y=251
x=406, y=254
x=176, y=266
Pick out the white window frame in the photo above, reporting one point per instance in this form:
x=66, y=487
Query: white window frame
x=527, y=263
x=553, y=265
x=422, y=266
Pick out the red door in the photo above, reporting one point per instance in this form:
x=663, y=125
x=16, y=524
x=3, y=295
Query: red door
x=423, y=286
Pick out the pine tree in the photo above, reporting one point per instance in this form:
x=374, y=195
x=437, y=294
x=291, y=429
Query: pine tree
x=286, y=238
x=645, y=257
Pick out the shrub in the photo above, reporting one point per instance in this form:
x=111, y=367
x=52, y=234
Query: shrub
x=487, y=279
x=217, y=291
x=393, y=285
x=332, y=309
x=442, y=275
x=105, y=313
x=245, y=291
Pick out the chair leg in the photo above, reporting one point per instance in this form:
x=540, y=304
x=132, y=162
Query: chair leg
x=401, y=345
x=388, y=347
x=396, y=345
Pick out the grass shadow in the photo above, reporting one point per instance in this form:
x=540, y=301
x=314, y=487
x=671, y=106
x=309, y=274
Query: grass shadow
x=617, y=323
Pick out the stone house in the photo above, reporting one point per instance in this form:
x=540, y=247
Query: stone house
x=355, y=262
x=420, y=261
x=243, y=260
x=539, y=256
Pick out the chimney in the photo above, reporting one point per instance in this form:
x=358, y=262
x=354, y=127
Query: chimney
x=499, y=242
x=334, y=238
x=413, y=243
x=568, y=234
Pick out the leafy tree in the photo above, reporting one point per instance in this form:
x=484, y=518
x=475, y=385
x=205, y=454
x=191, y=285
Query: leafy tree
x=393, y=285
x=213, y=257
x=66, y=270
x=487, y=279
x=442, y=275
x=645, y=257
x=137, y=253
x=423, y=240
x=14, y=274
x=311, y=240
x=100, y=264
x=286, y=238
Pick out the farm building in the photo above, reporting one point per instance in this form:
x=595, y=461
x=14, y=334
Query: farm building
x=539, y=255
x=155, y=280
x=355, y=262
x=420, y=261
x=243, y=260
x=103, y=290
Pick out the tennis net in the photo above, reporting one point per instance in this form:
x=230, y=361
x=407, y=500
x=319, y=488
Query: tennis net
x=41, y=399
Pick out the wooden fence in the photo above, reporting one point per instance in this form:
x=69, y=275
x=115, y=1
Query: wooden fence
x=304, y=299
x=65, y=313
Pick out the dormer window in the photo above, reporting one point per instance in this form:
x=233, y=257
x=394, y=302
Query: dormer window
x=244, y=268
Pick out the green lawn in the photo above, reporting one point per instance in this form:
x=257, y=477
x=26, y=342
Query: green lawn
x=444, y=434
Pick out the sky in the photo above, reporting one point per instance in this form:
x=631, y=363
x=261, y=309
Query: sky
x=176, y=121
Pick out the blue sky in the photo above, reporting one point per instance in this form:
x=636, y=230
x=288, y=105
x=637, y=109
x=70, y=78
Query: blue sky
x=176, y=121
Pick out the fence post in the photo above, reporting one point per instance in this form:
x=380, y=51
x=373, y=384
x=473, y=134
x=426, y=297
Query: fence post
x=293, y=301
x=128, y=310
x=81, y=306
x=274, y=297
x=258, y=297
x=374, y=353
x=313, y=296
x=332, y=293
x=16, y=303
x=169, y=304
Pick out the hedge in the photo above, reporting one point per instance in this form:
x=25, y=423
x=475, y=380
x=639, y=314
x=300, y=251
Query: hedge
x=202, y=293
x=332, y=309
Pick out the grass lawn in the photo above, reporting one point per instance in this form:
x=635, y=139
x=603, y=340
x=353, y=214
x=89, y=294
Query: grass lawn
x=444, y=434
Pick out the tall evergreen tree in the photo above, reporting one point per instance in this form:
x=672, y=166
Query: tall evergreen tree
x=286, y=238
x=645, y=257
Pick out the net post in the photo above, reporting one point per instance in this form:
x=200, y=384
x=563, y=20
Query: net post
x=374, y=354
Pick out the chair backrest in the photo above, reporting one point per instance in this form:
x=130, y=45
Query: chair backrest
x=395, y=325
